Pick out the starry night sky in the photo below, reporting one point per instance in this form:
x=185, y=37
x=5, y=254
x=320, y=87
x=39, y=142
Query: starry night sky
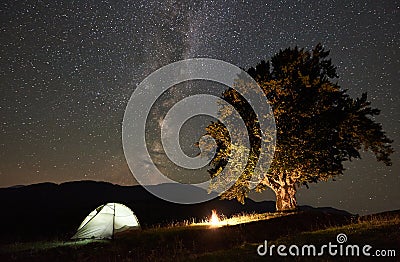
x=68, y=69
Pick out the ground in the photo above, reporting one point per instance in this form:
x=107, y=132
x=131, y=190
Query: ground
x=226, y=243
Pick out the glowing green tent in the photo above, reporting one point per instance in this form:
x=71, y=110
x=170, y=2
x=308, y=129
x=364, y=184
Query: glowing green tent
x=106, y=221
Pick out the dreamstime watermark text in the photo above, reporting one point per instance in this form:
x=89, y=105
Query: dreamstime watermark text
x=331, y=249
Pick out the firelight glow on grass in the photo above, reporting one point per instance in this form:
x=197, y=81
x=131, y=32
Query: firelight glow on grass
x=219, y=220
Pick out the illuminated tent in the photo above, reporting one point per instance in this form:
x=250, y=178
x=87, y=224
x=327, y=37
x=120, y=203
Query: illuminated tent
x=106, y=221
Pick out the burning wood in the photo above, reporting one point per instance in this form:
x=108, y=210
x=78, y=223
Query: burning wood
x=214, y=220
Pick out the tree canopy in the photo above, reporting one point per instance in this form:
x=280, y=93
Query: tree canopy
x=318, y=125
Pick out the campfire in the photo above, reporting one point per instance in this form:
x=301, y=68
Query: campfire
x=220, y=220
x=214, y=220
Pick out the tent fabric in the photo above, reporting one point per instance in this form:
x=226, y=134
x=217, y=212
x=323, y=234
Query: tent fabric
x=107, y=220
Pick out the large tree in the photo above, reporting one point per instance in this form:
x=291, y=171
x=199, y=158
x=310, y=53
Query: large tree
x=318, y=126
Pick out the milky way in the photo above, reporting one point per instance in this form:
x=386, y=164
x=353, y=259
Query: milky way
x=68, y=69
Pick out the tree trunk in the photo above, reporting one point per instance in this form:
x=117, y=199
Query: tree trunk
x=286, y=197
x=284, y=186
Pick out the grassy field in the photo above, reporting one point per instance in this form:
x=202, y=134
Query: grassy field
x=200, y=242
x=382, y=233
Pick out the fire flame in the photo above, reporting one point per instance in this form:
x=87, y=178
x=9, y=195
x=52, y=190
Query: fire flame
x=214, y=220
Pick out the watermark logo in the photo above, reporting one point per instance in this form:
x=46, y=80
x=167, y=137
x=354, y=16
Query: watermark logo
x=134, y=128
x=331, y=249
x=341, y=238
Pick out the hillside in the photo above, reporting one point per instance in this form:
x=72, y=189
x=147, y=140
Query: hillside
x=61, y=208
x=48, y=210
x=43, y=217
x=229, y=243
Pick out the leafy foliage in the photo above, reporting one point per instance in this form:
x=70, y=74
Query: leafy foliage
x=318, y=125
